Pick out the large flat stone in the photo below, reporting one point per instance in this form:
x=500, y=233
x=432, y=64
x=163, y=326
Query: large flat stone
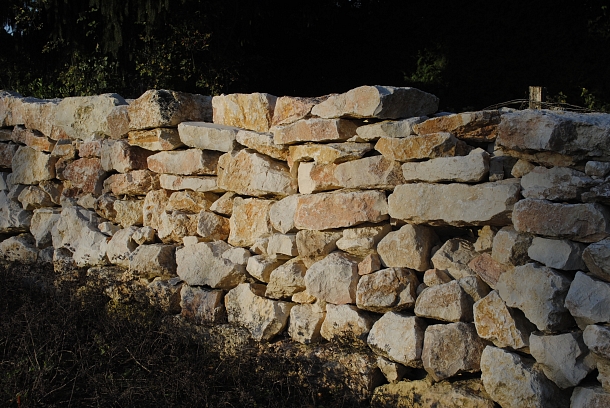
x=31, y=166
x=314, y=130
x=555, y=184
x=248, y=111
x=588, y=300
x=481, y=126
x=334, y=279
x=208, y=136
x=409, y=247
x=184, y=162
x=472, y=168
x=398, y=337
x=156, y=140
x=418, y=147
x=374, y=172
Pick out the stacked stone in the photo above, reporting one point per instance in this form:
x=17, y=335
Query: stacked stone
x=472, y=248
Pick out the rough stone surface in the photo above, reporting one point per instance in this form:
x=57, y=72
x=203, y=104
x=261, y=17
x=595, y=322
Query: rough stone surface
x=455, y=204
x=85, y=117
x=461, y=169
x=282, y=246
x=555, y=184
x=42, y=223
x=262, y=143
x=121, y=246
x=7, y=151
x=392, y=371
x=540, y=293
x=479, y=126
x=31, y=166
x=521, y=168
x=314, y=130
x=597, y=339
x=201, y=184
x=261, y=266
x=346, y=323
x=597, y=258
x=129, y=212
x=314, y=177
x=120, y=156
x=201, y=306
x=313, y=246
x=590, y=397
x=306, y=323
x=362, y=241
x=447, y=302
x=398, y=337
x=76, y=230
x=414, y=147
x=289, y=109
x=558, y=253
x=281, y=214
x=286, y=280
x=328, y=153
x=13, y=218
x=409, y=247
x=391, y=289
x=20, y=249
x=375, y=172
x=453, y=258
x=84, y=176
x=184, y=162
x=208, y=136
x=511, y=247
x=334, y=279
x=389, y=128
x=249, y=221
x=248, y=111
x=488, y=269
x=155, y=139
x=155, y=260
x=211, y=226
x=588, y=300
x=597, y=169
x=136, y=183
x=33, y=197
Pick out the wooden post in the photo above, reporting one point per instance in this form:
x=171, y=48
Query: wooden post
x=537, y=96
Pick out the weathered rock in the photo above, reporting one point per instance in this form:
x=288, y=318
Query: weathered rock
x=281, y=214
x=346, y=323
x=455, y=204
x=391, y=289
x=20, y=249
x=447, y=302
x=597, y=169
x=76, y=230
x=135, y=183
x=165, y=294
x=203, y=264
x=286, y=280
x=190, y=201
x=64, y=148
x=598, y=194
x=603, y=370
x=90, y=148
x=389, y=128
x=154, y=206
x=282, y=246
x=511, y=247
x=409, y=247
x=184, y=162
x=249, y=221
x=577, y=222
x=176, y=225
x=399, y=338
x=555, y=184
x=416, y=147
x=83, y=176
x=563, y=357
x=334, y=279
x=481, y=126
x=201, y=184
x=261, y=266
x=374, y=172
x=314, y=177
x=120, y=156
x=304, y=298
x=129, y=212
x=314, y=130
x=33, y=197
x=503, y=326
x=597, y=258
x=212, y=227
x=42, y=223
x=340, y=209
x=462, y=169
x=289, y=109
x=248, y=111
x=10, y=115
x=121, y=246
x=313, y=246
x=108, y=228
x=515, y=382
x=588, y=300
x=488, y=269
x=328, y=153
x=7, y=152
x=392, y=371
x=39, y=114
x=539, y=292
x=454, y=256
x=475, y=287
x=31, y=166
x=521, y=168
x=433, y=277
x=156, y=140
x=559, y=254
x=597, y=339
x=382, y=102
x=144, y=235
x=156, y=260
x=361, y=241
x=224, y=205
x=163, y=108
x=208, y=136
x=200, y=305
x=32, y=138
x=13, y=218
x=262, y=143
x=371, y=263
x=249, y=173
x=264, y=318
x=451, y=349
x=590, y=397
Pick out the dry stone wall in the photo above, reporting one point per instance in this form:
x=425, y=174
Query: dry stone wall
x=473, y=248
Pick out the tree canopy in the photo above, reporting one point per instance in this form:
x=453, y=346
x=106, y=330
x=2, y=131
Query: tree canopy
x=471, y=54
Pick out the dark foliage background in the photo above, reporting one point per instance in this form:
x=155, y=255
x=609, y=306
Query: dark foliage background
x=471, y=54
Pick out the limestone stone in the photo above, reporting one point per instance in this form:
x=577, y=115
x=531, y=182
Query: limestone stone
x=91, y=148
x=88, y=201
x=261, y=266
x=289, y=109
x=85, y=117
x=184, y=162
x=4, y=186
x=108, y=228
x=598, y=194
x=314, y=177
x=389, y=128
x=568, y=133
x=361, y=241
x=416, y=147
x=129, y=212
x=118, y=122
x=201, y=305
x=399, y=338
x=104, y=206
x=120, y=156
x=555, y=184
x=313, y=246
x=249, y=173
x=208, y=136
x=597, y=339
x=603, y=369
x=588, y=300
x=597, y=258
x=340, y=209
x=286, y=280
x=540, y=293
x=328, y=153
x=488, y=269
x=203, y=264
x=5, y=133
x=334, y=279
x=382, y=102
x=453, y=257
x=64, y=148
x=303, y=298
x=503, y=326
x=424, y=394
x=281, y=214
x=484, y=242
x=371, y=263
x=481, y=126
x=155, y=260
x=462, y=169
x=53, y=188
x=282, y=246
x=259, y=246
x=194, y=183
x=392, y=371
x=190, y=201
x=39, y=114
x=155, y=140
x=346, y=323
x=577, y=222
x=521, y=168
x=9, y=113
x=121, y=246
x=597, y=169
x=144, y=235
x=562, y=357
x=475, y=287
x=83, y=176
x=19, y=248
x=314, y=130
x=134, y=183
x=33, y=197
x=238, y=256
x=42, y=223
x=263, y=318
x=249, y=221
x=176, y=225
x=248, y=111
x=33, y=139
x=164, y=108
x=511, y=247
x=557, y=253
x=31, y=166
x=515, y=382
x=375, y=172
x=13, y=218
x=451, y=349
x=435, y=276
x=7, y=152
x=154, y=206
x=224, y=205
x=409, y=247
x=447, y=302
x=165, y=294
x=262, y=143
x=589, y=397
x=390, y=289
x=211, y=226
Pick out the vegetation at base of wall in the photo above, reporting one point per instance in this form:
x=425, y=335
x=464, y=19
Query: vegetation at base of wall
x=56, y=351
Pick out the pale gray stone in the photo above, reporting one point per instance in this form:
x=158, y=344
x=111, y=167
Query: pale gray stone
x=282, y=246
x=362, y=241
x=334, y=279
x=409, y=247
x=590, y=397
x=455, y=306
x=208, y=136
x=13, y=218
x=155, y=260
x=121, y=246
x=392, y=371
x=281, y=214
x=184, y=162
x=588, y=300
x=346, y=323
x=597, y=258
x=597, y=169
x=201, y=305
x=511, y=247
x=20, y=248
x=31, y=166
x=453, y=257
x=461, y=169
x=555, y=184
x=389, y=128
x=43, y=221
x=306, y=323
x=286, y=280
x=261, y=266
x=559, y=254
x=391, y=289
x=375, y=172
x=313, y=246
x=597, y=339
x=399, y=338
